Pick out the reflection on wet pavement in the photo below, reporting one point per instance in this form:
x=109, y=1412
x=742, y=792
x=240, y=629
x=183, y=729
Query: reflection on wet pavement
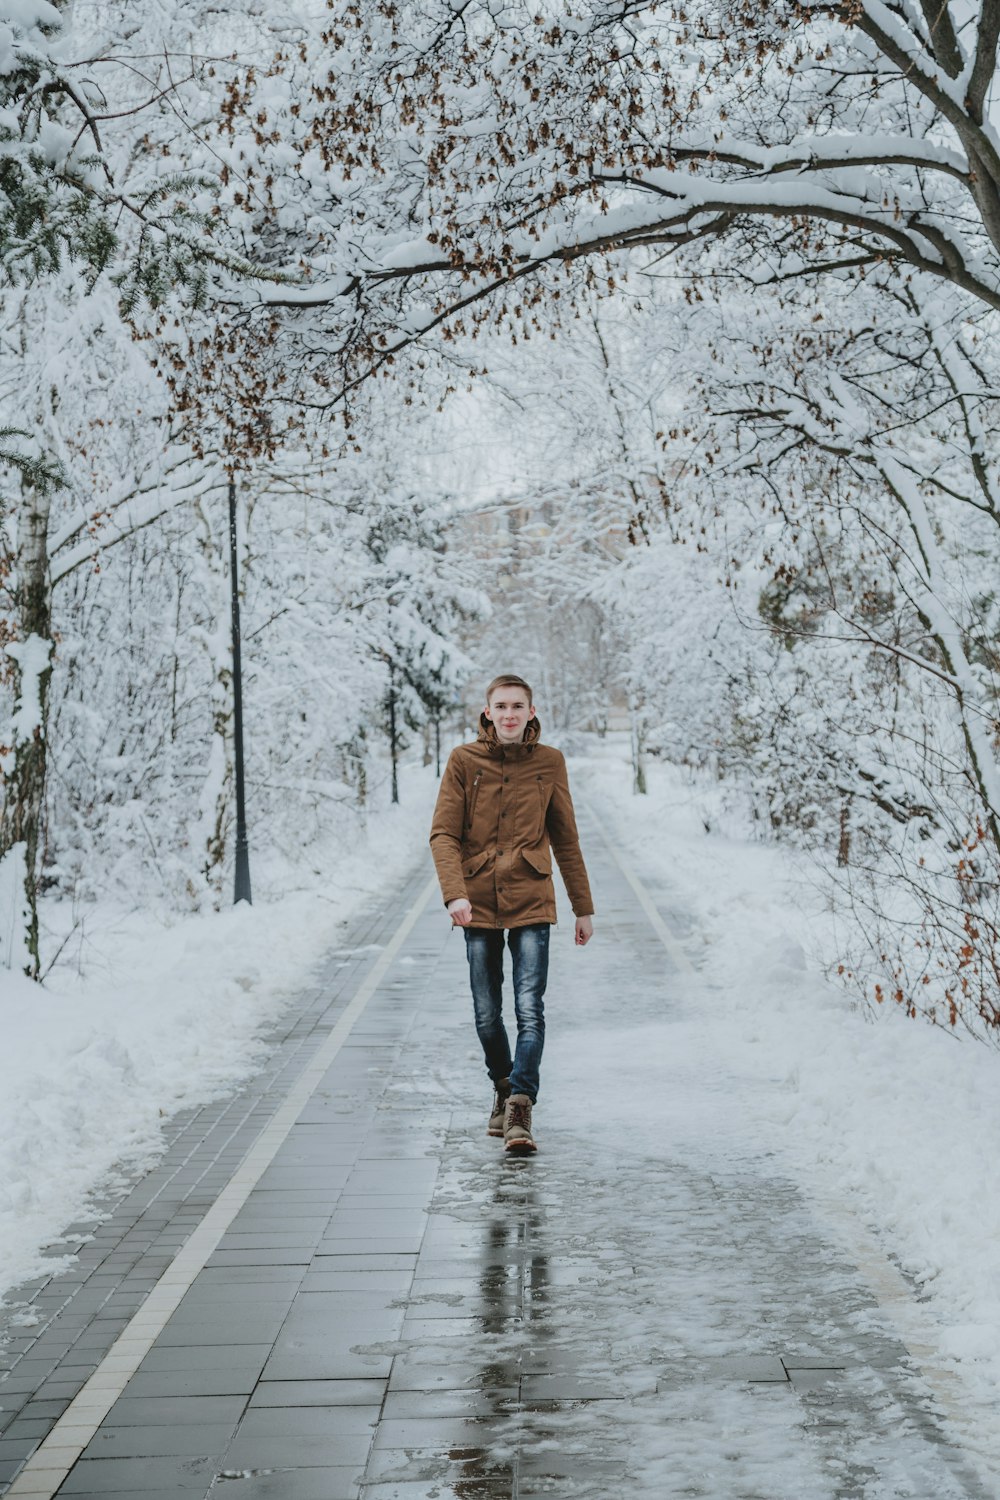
x=551, y=1357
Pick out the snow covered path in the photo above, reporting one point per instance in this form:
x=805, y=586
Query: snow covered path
x=396, y=1310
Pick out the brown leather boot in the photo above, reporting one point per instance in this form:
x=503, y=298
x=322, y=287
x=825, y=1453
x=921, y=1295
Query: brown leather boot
x=500, y=1097
x=517, y=1135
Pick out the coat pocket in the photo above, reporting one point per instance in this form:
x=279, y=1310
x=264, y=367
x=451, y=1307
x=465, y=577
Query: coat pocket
x=473, y=798
x=539, y=859
x=474, y=863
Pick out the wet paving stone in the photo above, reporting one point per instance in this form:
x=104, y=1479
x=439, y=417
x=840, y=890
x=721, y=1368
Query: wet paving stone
x=442, y=1434
x=313, y=1362
x=418, y=1373
x=298, y=1451
x=18, y=1431
x=176, y=1411
x=458, y=1488
x=462, y=1404
x=131, y=1476
x=421, y=1331
x=44, y=1410
x=195, y=1356
x=310, y=1421
x=324, y=1393
x=168, y=1384
x=154, y=1440
x=318, y=1483
x=362, y=1282
x=175, y=1492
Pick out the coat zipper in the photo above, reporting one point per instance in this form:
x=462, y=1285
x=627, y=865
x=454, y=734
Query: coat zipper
x=472, y=799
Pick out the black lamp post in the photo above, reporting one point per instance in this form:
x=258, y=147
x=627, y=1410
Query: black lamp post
x=392, y=730
x=242, y=883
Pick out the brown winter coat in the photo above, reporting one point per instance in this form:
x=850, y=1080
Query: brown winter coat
x=502, y=812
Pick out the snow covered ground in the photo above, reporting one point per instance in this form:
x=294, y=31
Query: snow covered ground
x=142, y=1017
x=888, y=1125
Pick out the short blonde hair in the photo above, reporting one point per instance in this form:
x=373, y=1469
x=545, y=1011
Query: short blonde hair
x=508, y=680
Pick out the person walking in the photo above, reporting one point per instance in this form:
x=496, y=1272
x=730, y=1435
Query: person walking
x=503, y=809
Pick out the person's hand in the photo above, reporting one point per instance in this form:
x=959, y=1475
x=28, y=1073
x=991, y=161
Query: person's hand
x=461, y=912
x=584, y=931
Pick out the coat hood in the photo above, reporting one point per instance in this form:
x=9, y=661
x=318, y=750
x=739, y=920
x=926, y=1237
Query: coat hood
x=488, y=736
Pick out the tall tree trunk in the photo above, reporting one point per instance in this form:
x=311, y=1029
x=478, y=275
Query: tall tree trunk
x=23, y=762
x=216, y=791
x=638, y=727
x=359, y=761
x=844, y=842
x=393, y=738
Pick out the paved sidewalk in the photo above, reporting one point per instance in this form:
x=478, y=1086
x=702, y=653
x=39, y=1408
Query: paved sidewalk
x=399, y=1311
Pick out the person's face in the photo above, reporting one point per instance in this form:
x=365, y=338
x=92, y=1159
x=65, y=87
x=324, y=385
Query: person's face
x=510, y=711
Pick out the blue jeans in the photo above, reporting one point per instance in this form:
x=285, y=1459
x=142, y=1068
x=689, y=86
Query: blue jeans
x=529, y=952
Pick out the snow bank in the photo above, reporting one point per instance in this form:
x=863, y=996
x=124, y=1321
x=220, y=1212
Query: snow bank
x=890, y=1118
x=150, y=1018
